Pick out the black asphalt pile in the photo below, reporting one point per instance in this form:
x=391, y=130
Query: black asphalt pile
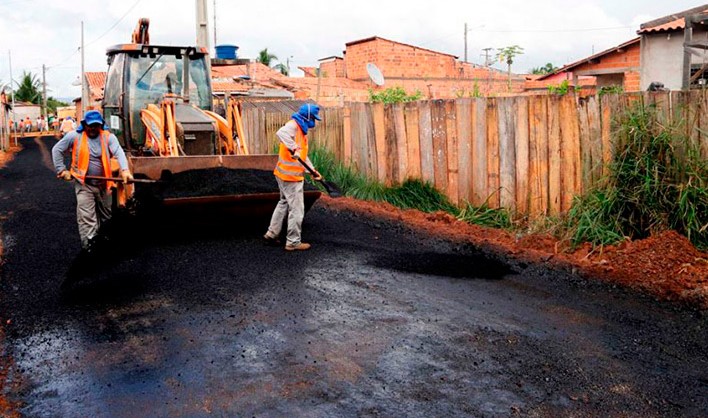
x=218, y=181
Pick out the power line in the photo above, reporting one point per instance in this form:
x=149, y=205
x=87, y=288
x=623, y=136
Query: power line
x=102, y=35
x=115, y=24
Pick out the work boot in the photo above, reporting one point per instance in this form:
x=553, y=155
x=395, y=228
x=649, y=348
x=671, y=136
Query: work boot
x=298, y=247
x=272, y=241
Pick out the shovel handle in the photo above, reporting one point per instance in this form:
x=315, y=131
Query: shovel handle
x=120, y=180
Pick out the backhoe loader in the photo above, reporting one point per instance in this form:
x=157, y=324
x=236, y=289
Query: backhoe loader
x=158, y=103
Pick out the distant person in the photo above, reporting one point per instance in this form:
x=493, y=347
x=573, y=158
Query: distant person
x=28, y=124
x=91, y=148
x=67, y=125
x=290, y=175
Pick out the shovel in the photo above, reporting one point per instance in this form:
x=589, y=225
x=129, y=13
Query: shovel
x=120, y=180
x=332, y=189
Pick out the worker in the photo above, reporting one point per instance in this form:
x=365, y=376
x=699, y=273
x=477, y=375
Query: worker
x=289, y=173
x=67, y=125
x=91, y=147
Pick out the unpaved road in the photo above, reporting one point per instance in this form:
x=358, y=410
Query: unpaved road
x=376, y=320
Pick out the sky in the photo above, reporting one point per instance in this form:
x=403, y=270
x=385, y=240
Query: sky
x=48, y=32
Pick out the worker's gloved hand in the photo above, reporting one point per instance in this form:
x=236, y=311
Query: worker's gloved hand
x=295, y=153
x=317, y=176
x=65, y=175
x=126, y=176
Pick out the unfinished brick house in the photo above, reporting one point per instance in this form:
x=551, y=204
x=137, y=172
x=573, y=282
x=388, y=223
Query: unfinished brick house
x=435, y=75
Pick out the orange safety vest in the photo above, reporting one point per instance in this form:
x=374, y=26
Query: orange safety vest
x=80, y=157
x=288, y=168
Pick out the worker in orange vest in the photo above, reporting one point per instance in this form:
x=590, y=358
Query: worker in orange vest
x=290, y=175
x=67, y=125
x=91, y=147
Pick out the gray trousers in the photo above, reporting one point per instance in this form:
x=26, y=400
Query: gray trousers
x=292, y=205
x=93, y=207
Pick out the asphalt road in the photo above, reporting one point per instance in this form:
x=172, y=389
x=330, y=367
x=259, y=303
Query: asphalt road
x=375, y=320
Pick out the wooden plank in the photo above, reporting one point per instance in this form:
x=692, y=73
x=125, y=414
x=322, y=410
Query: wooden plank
x=439, y=144
x=347, y=135
x=593, y=108
x=379, y=117
x=413, y=135
x=479, y=151
x=521, y=107
x=451, y=151
x=567, y=114
x=492, y=153
x=606, y=131
x=359, y=146
x=507, y=153
x=399, y=121
x=585, y=147
x=390, y=151
x=464, y=149
x=538, y=157
x=426, y=142
x=369, y=144
x=554, y=157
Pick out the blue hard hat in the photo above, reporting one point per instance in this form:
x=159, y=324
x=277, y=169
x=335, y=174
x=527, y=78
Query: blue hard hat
x=310, y=111
x=92, y=117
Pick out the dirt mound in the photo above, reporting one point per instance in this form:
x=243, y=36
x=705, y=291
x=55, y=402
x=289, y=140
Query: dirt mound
x=666, y=265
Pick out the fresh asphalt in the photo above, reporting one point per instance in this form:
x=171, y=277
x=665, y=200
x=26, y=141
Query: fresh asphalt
x=375, y=320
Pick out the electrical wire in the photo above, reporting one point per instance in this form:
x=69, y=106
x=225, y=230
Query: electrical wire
x=101, y=36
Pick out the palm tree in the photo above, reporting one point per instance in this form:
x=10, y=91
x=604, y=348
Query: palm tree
x=282, y=68
x=507, y=55
x=265, y=58
x=546, y=69
x=28, y=90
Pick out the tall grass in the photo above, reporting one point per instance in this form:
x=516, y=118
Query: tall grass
x=411, y=194
x=657, y=181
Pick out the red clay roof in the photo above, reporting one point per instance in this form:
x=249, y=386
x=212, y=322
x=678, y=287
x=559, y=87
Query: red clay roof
x=672, y=22
x=590, y=58
x=255, y=70
x=96, y=82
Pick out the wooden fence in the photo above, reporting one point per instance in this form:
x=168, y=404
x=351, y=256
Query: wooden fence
x=530, y=154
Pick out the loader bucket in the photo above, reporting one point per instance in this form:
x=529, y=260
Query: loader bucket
x=204, y=186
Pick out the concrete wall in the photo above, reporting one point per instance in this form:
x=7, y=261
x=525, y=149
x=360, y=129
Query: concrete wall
x=662, y=58
x=21, y=112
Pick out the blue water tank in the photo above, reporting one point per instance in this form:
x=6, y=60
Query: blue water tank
x=226, y=52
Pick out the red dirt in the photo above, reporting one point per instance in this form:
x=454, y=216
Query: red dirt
x=665, y=265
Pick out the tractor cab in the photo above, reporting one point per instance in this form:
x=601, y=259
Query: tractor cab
x=142, y=75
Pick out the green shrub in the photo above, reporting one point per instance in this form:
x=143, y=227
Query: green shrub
x=393, y=95
x=657, y=181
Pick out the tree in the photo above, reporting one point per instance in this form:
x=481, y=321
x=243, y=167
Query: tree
x=265, y=58
x=282, y=68
x=53, y=103
x=546, y=69
x=507, y=54
x=28, y=90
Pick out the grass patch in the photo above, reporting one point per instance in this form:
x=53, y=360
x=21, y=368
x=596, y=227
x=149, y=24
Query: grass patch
x=657, y=181
x=411, y=194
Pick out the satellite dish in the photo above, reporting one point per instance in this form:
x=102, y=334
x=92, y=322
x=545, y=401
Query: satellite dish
x=375, y=74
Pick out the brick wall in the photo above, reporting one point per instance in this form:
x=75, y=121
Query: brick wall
x=333, y=68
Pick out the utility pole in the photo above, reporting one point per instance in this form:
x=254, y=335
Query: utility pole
x=44, y=93
x=214, y=10
x=465, y=42
x=12, y=90
x=84, y=99
x=202, y=24
x=487, y=62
